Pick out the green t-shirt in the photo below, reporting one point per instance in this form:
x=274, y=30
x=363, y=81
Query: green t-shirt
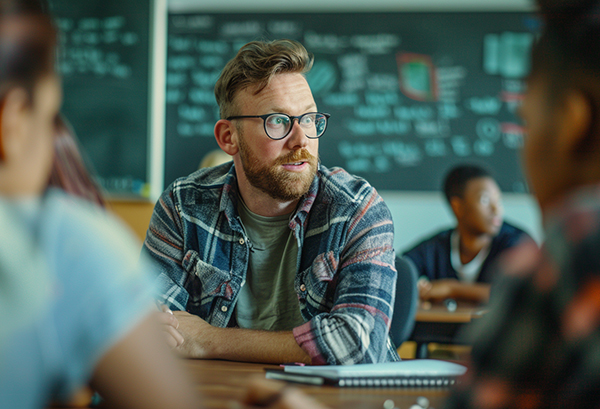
x=268, y=300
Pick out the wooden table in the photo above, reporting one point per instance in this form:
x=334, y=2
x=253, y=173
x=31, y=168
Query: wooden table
x=437, y=324
x=222, y=382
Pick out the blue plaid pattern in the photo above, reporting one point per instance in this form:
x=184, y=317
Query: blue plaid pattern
x=345, y=279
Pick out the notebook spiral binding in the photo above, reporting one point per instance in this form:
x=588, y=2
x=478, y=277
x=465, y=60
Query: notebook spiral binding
x=405, y=382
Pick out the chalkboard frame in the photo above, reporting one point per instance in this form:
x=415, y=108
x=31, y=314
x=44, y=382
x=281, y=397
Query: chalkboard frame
x=126, y=156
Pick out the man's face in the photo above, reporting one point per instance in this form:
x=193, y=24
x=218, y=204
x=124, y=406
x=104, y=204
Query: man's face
x=480, y=208
x=283, y=169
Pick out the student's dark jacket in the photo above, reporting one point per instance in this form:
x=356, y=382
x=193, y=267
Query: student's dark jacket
x=432, y=256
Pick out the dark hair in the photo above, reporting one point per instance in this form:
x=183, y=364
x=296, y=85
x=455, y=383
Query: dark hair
x=457, y=178
x=254, y=65
x=27, y=44
x=69, y=170
x=568, y=51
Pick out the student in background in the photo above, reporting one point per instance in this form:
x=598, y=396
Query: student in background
x=458, y=263
x=75, y=301
x=69, y=170
x=276, y=258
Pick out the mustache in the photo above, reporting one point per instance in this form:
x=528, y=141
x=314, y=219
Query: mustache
x=301, y=155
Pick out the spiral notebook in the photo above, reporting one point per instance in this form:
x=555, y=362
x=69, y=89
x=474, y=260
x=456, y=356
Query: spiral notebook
x=415, y=373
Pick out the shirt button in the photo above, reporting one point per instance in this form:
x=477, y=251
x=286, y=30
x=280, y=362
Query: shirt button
x=302, y=287
x=241, y=241
x=224, y=308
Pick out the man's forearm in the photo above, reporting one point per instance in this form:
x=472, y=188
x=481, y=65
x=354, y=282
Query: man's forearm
x=246, y=345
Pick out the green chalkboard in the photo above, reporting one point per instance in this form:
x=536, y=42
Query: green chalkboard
x=104, y=59
x=410, y=94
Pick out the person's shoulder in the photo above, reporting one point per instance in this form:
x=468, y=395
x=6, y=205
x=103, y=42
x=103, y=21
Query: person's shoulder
x=201, y=184
x=205, y=178
x=510, y=231
x=86, y=226
x=339, y=184
x=509, y=236
x=435, y=241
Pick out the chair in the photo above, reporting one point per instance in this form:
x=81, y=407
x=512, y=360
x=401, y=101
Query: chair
x=406, y=301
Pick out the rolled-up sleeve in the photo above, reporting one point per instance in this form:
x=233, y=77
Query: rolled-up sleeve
x=356, y=329
x=164, y=245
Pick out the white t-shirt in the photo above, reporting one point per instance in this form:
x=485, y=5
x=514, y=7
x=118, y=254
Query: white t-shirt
x=470, y=271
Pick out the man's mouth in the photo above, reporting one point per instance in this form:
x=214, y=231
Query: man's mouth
x=296, y=166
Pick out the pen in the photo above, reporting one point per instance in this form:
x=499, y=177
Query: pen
x=291, y=364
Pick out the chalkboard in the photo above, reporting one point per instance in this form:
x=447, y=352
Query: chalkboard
x=104, y=59
x=410, y=94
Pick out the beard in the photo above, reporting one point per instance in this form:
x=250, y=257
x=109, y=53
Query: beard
x=274, y=180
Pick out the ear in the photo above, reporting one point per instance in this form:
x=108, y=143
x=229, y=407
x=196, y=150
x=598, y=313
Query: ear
x=575, y=125
x=456, y=204
x=13, y=109
x=226, y=136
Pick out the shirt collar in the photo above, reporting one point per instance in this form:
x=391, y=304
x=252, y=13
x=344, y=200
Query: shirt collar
x=229, y=199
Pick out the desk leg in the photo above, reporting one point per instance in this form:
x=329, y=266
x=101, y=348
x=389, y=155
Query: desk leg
x=422, y=350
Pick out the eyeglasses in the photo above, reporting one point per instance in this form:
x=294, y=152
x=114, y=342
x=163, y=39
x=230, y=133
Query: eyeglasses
x=278, y=126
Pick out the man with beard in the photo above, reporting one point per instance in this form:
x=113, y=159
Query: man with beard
x=274, y=258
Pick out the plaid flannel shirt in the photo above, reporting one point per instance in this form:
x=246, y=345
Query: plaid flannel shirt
x=345, y=279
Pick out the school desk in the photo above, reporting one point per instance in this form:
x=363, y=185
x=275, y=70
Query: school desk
x=220, y=382
x=223, y=382
x=435, y=323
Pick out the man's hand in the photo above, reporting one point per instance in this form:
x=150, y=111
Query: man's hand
x=192, y=337
x=169, y=325
x=199, y=337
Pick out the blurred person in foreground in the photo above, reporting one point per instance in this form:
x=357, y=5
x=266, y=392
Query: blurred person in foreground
x=459, y=262
x=75, y=300
x=539, y=345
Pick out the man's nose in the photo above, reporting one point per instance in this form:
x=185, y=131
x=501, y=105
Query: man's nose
x=496, y=207
x=297, y=136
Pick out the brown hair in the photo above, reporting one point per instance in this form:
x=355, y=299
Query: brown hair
x=255, y=65
x=69, y=170
x=568, y=51
x=27, y=44
x=567, y=56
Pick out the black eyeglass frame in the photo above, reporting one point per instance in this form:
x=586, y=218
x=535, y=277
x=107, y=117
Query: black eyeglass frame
x=265, y=116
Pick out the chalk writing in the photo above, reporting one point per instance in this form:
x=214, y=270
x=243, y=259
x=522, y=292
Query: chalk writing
x=399, y=96
x=95, y=46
